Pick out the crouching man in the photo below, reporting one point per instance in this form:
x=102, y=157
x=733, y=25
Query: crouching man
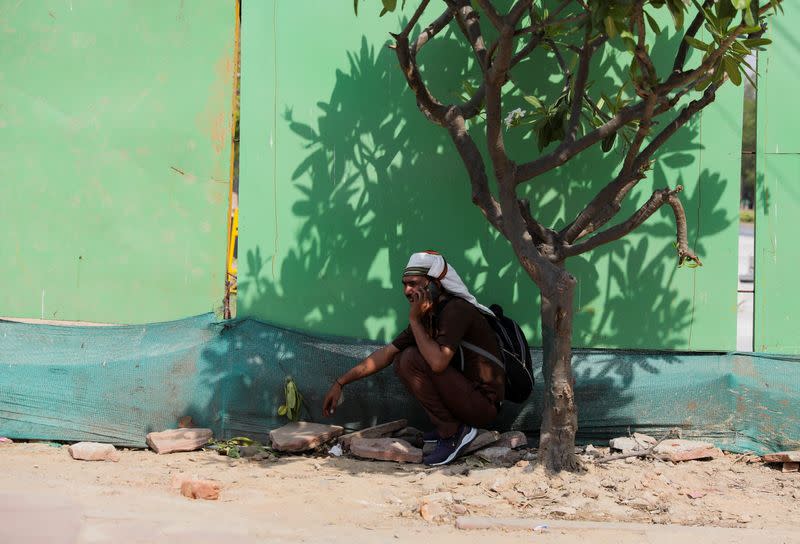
x=443, y=358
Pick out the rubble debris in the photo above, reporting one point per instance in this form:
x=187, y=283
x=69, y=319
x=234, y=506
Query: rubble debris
x=303, y=436
x=174, y=440
x=93, y=451
x=200, y=489
x=378, y=431
x=386, y=449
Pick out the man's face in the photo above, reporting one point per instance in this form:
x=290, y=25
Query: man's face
x=412, y=284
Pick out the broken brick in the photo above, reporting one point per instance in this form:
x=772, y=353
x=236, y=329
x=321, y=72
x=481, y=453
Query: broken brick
x=386, y=449
x=174, y=440
x=686, y=450
x=200, y=489
x=302, y=436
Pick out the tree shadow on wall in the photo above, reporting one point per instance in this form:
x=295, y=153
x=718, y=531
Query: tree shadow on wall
x=380, y=182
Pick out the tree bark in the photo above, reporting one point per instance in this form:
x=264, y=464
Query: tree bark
x=560, y=414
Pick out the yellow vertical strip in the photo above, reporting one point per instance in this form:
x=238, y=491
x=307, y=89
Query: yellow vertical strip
x=233, y=210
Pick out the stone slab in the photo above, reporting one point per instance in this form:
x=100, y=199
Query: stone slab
x=499, y=455
x=303, y=436
x=386, y=449
x=93, y=451
x=686, y=450
x=782, y=457
x=174, y=440
x=378, y=431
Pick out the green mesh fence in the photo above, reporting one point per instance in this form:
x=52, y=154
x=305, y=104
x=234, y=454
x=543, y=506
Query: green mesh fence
x=115, y=384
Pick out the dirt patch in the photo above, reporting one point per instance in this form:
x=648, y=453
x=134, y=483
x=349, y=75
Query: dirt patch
x=297, y=498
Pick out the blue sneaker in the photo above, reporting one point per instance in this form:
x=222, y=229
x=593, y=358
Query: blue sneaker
x=448, y=449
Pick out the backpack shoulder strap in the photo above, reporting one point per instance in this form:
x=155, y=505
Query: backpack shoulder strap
x=484, y=353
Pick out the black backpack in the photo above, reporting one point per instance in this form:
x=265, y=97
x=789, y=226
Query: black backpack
x=515, y=355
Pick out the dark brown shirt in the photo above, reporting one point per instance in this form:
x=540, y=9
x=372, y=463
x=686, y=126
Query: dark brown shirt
x=457, y=320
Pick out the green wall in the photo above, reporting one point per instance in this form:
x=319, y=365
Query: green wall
x=114, y=157
x=342, y=178
x=776, y=298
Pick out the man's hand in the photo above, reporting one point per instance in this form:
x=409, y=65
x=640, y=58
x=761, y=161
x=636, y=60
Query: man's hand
x=331, y=399
x=420, y=304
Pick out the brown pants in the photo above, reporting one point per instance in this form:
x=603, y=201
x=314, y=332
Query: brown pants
x=449, y=398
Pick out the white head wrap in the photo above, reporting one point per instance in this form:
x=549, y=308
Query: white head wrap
x=429, y=263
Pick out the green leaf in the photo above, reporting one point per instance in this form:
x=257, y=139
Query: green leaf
x=697, y=44
x=355, y=7
x=732, y=69
x=740, y=4
x=533, y=101
x=282, y=410
x=611, y=28
x=652, y=22
x=676, y=9
x=388, y=5
x=756, y=42
x=748, y=17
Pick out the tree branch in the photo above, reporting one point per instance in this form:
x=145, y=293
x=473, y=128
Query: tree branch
x=566, y=151
x=430, y=31
x=536, y=229
x=491, y=13
x=476, y=169
x=683, y=49
x=656, y=200
x=406, y=55
x=681, y=119
x=581, y=78
x=607, y=202
x=469, y=24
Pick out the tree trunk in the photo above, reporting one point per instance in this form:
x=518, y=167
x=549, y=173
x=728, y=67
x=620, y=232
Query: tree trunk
x=560, y=415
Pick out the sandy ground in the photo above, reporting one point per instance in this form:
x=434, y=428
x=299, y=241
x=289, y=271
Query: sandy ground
x=48, y=497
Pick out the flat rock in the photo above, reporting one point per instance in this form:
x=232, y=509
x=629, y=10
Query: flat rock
x=93, y=451
x=645, y=439
x=782, y=457
x=686, y=450
x=484, y=438
x=378, y=431
x=386, y=449
x=790, y=467
x=412, y=435
x=173, y=440
x=200, y=489
x=512, y=439
x=627, y=444
x=302, y=435
x=499, y=455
